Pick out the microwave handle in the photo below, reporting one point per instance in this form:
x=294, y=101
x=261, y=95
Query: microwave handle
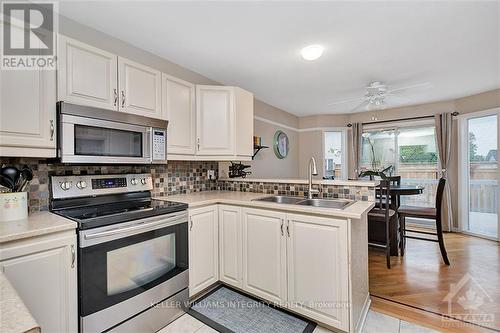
x=148, y=149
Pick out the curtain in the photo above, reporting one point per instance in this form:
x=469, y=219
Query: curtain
x=356, y=132
x=444, y=125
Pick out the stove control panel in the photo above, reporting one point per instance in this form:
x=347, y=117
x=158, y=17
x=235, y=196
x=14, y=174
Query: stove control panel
x=100, y=183
x=94, y=185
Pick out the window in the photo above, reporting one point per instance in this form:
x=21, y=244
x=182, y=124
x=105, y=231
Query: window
x=334, y=165
x=409, y=152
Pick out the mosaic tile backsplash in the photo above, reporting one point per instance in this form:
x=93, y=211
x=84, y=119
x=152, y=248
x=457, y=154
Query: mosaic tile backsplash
x=177, y=177
x=364, y=193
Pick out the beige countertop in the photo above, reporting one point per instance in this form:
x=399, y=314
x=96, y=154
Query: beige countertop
x=36, y=224
x=338, y=182
x=14, y=315
x=355, y=211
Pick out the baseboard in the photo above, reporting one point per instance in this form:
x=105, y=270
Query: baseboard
x=364, y=313
x=424, y=318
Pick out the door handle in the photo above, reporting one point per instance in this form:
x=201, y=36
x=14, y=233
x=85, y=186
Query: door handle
x=282, y=233
x=52, y=130
x=198, y=143
x=191, y=224
x=73, y=256
x=116, y=96
x=140, y=227
x=288, y=228
x=123, y=99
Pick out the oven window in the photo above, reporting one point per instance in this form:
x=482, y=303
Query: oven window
x=135, y=265
x=117, y=270
x=99, y=141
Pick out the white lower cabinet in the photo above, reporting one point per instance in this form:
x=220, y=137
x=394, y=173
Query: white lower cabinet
x=43, y=272
x=317, y=268
x=264, y=254
x=314, y=266
x=230, y=242
x=203, y=248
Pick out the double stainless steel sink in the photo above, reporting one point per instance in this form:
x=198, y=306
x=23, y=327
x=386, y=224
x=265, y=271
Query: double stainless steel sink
x=322, y=203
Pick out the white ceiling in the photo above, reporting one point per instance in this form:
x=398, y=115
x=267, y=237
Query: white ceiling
x=455, y=45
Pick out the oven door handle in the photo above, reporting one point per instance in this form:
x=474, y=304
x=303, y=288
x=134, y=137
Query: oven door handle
x=135, y=228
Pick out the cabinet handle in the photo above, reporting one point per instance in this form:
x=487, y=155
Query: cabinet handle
x=116, y=96
x=198, y=143
x=52, y=130
x=191, y=225
x=73, y=256
x=123, y=99
x=282, y=222
x=288, y=228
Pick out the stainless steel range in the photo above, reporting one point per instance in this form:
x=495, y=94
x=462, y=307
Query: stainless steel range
x=133, y=251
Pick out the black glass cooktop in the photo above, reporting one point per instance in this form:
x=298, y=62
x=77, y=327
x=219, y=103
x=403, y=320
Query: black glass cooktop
x=92, y=216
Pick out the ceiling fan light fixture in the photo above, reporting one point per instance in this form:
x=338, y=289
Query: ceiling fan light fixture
x=312, y=52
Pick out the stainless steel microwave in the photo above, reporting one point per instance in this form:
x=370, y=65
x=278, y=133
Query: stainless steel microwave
x=93, y=135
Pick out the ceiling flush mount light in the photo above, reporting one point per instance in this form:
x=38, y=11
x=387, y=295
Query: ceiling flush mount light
x=312, y=52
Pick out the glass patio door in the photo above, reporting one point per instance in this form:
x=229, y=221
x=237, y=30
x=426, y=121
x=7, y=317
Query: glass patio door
x=479, y=175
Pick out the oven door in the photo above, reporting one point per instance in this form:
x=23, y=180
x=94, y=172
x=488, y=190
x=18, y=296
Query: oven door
x=126, y=269
x=90, y=140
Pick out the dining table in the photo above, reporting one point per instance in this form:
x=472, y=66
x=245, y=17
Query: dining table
x=377, y=232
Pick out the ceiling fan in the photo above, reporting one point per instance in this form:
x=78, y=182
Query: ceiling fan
x=379, y=96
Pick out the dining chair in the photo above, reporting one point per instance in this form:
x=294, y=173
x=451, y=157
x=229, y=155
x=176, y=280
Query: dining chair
x=383, y=214
x=426, y=213
x=393, y=181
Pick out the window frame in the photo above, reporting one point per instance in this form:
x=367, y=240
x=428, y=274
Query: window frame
x=396, y=126
x=463, y=171
x=343, y=166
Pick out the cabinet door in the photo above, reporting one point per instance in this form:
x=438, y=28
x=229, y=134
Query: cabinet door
x=44, y=276
x=28, y=113
x=230, y=258
x=86, y=75
x=203, y=248
x=318, y=268
x=179, y=109
x=215, y=120
x=264, y=254
x=140, y=88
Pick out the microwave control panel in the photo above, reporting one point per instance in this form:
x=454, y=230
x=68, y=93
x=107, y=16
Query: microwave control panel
x=159, y=144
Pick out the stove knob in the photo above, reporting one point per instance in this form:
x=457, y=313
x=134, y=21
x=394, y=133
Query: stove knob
x=133, y=181
x=144, y=181
x=81, y=184
x=66, y=185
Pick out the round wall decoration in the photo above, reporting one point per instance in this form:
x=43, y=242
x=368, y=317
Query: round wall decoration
x=281, y=144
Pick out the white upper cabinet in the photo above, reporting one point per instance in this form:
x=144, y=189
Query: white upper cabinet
x=224, y=122
x=86, y=75
x=27, y=112
x=264, y=254
x=178, y=107
x=140, y=88
x=317, y=256
x=94, y=77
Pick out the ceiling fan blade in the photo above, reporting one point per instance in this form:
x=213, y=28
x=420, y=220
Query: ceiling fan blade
x=420, y=86
x=395, y=99
x=361, y=106
x=350, y=100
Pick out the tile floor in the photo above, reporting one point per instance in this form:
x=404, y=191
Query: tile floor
x=375, y=323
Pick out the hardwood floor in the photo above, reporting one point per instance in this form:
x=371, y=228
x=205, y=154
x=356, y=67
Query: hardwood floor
x=421, y=279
